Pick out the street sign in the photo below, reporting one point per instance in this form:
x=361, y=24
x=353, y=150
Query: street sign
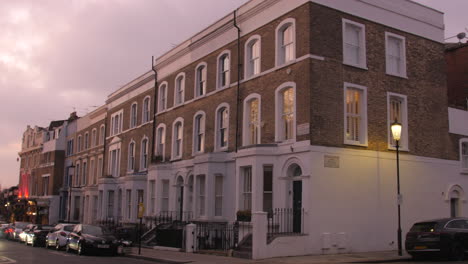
x=141, y=210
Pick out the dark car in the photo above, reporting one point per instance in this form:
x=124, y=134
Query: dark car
x=446, y=237
x=37, y=235
x=90, y=238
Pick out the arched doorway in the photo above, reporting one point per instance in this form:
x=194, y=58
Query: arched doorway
x=295, y=172
x=454, y=203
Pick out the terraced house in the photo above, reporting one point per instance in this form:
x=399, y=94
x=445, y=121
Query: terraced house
x=278, y=118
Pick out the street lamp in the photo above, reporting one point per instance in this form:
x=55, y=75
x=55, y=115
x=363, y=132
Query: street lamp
x=396, y=133
x=70, y=170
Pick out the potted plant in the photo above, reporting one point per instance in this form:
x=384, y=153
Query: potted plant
x=244, y=215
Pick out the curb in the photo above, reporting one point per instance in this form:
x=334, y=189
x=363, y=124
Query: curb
x=164, y=261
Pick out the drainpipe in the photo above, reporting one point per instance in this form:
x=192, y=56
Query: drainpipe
x=239, y=67
x=154, y=106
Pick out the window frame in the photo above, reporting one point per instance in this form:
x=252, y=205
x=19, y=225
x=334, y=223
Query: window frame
x=246, y=120
x=362, y=49
x=131, y=156
x=134, y=115
x=221, y=71
x=173, y=152
x=144, y=154
x=218, y=195
x=280, y=54
x=403, y=67
x=364, y=122
x=197, y=81
x=163, y=143
x=176, y=89
x=249, y=69
x=162, y=97
x=463, y=169
x=217, y=145
x=279, y=128
x=199, y=131
x=165, y=196
x=102, y=134
x=116, y=129
x=404, y=141
x=86, y=141
x=146, y=110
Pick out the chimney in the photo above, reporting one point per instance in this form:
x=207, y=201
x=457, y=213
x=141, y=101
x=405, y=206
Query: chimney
x=73, y=116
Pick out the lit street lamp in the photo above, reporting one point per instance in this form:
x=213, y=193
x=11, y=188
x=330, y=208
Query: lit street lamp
x=396, y=133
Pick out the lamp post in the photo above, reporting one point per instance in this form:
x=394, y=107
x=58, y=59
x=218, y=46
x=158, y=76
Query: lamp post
x=396, y=133
x=70, y=171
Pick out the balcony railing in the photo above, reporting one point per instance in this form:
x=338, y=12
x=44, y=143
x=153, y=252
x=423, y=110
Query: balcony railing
x=285, y=221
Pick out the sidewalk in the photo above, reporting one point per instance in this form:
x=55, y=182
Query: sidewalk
x=176, y=257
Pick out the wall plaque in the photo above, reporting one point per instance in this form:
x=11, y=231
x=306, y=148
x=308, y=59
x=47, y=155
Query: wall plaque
x=303, y=129
x=331, y=161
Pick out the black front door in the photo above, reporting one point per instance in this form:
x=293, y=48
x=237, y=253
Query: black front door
x=297, y=206
x=181, y=202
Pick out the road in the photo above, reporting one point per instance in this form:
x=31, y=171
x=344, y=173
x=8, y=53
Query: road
x=14, y=252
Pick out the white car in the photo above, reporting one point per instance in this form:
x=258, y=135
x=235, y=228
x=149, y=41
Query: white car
x=57, y=237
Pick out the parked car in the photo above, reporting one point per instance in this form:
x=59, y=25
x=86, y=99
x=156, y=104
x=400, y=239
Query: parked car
x=23, y=234
x=17, y=229
x=4, y=230
x=57, y=237
x=37, y=235
x=88, y=238
x=446, y=237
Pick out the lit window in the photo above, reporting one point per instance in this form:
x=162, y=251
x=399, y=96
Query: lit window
x=179, y=89
x=285, y=109
x=200, y=80
x=286, y=38
x=177, y=139
x=396, y=54
x=354, y=46
x=160, y=140
x=251, y=132
x=222, y=125
x=133, y=115
x=162, y=97
x=355, y=114
x=223, y=69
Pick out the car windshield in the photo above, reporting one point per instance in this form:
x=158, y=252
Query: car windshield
x=94, y=230
x=424, y=227
x=68, y=228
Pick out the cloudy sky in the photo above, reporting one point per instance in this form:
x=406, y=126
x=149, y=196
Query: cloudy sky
x=57, y=56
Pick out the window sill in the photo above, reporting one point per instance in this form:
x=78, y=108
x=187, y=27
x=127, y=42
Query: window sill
x=176, y=158
x=359, y=66
x=404, y=76
x=223, y=149
x=286, y=142
x=354, y=143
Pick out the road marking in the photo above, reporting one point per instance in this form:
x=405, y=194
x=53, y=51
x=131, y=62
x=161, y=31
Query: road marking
x=60, y=254
x=6, y=260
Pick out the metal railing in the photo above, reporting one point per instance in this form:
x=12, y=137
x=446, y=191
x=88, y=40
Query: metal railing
x=285, y=221
x=216, y=236
x=166, y=217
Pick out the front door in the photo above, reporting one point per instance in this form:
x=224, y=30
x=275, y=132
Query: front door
x=181, y=202
x=297, y=206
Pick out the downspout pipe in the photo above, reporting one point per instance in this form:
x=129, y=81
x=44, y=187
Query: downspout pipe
x=154, y=107
x=239, y=67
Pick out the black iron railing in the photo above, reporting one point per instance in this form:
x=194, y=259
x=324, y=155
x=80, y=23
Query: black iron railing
x=167, y=217
x=284, y=221
x=216, y=236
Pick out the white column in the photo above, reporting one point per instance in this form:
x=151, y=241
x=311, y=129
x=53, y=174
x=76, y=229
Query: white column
x=190, y=238
x=259, y=235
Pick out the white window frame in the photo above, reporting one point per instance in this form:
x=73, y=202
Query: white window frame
x=249, y=70
x=247, y=188
x=463, y=163
x=86, y=141
x=163, y=141
x=362, y=48
x=217, y=143
x=152, y=196
x=144, y=154
x=146, y=110
x=402, y=55
x=246, y=120
x=79, y=145
x=84, y=173
x=102, y=136
x=218, y=195
x=279, y=126
x=165, y=194
x=100, y=164
x=363, y=128
x=173, y=154
x=131, y=156
x=162, y=97
x=128, y=195
x=201, y=196
x=280, y=51
x=92, y=171
x=181, y=88
x=134, y=115
x=197, y=81
x=404, y=141
x=220, y=72
x=116, y=128
x=110, y=169
x=94, y=137
x=199, y=130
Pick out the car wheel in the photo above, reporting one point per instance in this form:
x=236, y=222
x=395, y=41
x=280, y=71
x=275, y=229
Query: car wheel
x=67, y=248
x=57, y=245
x=47, y=243
x=457, y=253
x=33, y=242
x=80, y=249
